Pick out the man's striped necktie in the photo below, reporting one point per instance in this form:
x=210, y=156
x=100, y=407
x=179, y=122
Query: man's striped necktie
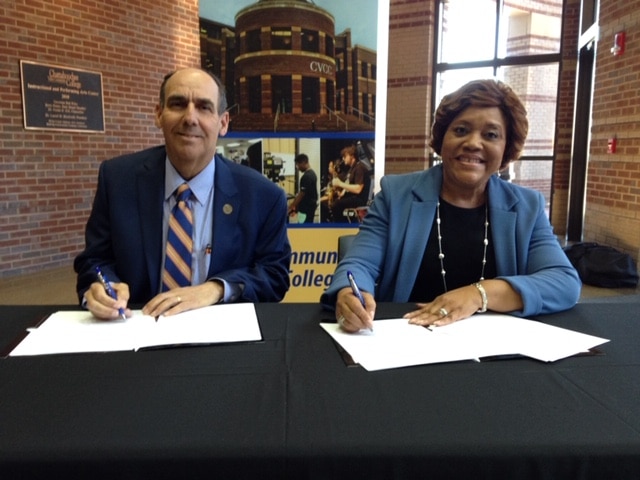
x=177, y=266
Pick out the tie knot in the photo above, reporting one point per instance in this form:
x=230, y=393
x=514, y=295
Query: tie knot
x=183, y=192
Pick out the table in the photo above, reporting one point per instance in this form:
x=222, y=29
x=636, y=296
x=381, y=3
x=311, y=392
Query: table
x=289, y=407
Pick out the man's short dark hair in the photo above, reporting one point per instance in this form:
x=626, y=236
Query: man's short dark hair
x=222, y=91
x=302, y=158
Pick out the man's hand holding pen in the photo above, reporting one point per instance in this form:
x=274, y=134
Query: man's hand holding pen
x=178, y=300
x=105, y=307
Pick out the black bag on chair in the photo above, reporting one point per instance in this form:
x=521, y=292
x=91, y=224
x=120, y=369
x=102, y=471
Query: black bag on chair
x=602, y=266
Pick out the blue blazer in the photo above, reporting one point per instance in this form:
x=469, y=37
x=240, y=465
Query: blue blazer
x=124, y=230
x=386, y=254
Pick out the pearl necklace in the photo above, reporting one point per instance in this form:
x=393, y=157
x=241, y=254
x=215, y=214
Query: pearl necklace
x=441, y=255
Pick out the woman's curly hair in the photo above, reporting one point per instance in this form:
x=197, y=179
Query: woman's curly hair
x=484, y=94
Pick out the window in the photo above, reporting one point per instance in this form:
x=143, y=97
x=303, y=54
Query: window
x=281, y=94
x=253, y=41
x=518, y=44
x=331, y=94
x=328, y=46
x=281, y=38
x=310, y=95
x=255, y=94
x=310, y=41
x=364, y=67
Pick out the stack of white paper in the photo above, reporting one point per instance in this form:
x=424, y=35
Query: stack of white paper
x=396, y=343
x=80, y=331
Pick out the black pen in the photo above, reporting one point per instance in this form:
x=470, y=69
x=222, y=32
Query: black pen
x=356, y=290
x=107, y=288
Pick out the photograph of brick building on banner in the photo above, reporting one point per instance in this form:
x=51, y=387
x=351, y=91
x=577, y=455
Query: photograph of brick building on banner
x=301, y=79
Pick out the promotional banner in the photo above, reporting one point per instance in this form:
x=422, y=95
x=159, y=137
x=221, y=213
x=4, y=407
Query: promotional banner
x=306, y=88
x=313, y=261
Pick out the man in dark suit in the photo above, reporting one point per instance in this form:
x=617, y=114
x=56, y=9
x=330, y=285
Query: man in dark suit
x=240, y=246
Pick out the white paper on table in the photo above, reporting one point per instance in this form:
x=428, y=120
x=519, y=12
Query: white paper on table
x=224, y=323
x=506, y=334
x=396, y=343
x=80, y=331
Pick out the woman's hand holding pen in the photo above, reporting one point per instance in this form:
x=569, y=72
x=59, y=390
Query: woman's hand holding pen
x=103, y=306
x=351, y=314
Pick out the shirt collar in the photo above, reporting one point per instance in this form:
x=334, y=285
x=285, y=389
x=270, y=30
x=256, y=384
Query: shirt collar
x=201, y=185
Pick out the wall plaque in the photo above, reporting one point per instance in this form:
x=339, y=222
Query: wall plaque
x=61, y=98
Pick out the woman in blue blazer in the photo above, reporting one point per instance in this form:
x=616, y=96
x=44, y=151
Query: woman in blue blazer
x=457, y=239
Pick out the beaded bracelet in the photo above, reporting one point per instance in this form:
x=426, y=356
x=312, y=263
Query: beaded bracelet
x=483, y=294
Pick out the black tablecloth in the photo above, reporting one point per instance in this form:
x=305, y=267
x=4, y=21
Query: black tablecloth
x=289, y=407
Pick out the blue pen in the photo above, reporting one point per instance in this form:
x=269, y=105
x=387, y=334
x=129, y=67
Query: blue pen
x=107, y=288
x=356, y=290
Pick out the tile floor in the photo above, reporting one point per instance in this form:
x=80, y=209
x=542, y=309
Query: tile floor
x=57, y=287
x=49, y=287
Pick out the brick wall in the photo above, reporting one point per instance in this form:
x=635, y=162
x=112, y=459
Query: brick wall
x=613, y=180
x=411, y=30
x=47, y=178
x=411, y=37
x=564, y=116
x=612, y=214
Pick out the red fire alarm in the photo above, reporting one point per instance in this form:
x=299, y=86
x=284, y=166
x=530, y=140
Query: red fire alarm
x=618, y=44
x=611, y=145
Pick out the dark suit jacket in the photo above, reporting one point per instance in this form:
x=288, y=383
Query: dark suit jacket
x=124, y=230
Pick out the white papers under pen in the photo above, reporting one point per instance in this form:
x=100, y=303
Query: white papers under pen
x=80, y=331
x=396, y=343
